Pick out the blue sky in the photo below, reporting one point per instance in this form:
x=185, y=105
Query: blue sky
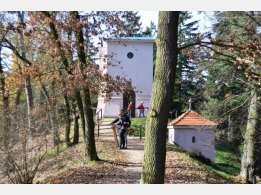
x=148, y=16
x=204, y=19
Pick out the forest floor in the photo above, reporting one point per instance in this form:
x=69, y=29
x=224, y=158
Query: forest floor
x=119, y=166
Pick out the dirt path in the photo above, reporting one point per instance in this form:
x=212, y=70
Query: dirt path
x=133, y=154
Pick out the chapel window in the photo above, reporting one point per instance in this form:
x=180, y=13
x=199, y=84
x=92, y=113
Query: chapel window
x=193, y=139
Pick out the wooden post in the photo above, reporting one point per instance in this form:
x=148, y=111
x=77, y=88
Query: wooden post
x=114, y=131
x=140, y=131
x=98, y=128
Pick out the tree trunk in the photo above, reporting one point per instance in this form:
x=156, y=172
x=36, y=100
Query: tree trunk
x=6, y=119
x=30, y=103
x=230, y=134
x=28, y=86
x=4, y=91
x=78, y=98
x=248, y=164
x=5, y=99
x=179, y=91
x=76, y=123
x=156, y=125
x=67, y=120
x=18, y=97
x=52, y=116
x=90, y=150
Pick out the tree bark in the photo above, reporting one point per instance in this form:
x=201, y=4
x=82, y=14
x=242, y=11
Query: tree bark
x=78, y=98
x=156, y=125
x=6, y=119
x=90, y=150
x=29, y=102
x=67, y=120
x=248, y=164
x=5, y=99
x=28, y=86
x=76, y=123
x=53, y=118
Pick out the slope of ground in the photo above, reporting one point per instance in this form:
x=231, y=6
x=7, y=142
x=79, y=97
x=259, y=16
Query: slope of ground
x=65, y=165
x=120, y=166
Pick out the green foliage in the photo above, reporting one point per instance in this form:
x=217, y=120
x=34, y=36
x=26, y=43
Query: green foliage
x=138, y=127
x=226, y=89
x=227, y=158
x=187, y=85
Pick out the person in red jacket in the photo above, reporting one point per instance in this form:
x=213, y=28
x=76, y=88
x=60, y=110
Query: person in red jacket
x=141, y=109
x=129, y=109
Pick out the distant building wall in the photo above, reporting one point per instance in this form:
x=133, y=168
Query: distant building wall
x=139, y=69
x=204, y=140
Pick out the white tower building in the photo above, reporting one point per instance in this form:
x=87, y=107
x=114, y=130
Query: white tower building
x=134, y=59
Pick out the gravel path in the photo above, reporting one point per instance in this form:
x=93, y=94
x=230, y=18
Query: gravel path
x=134, y=153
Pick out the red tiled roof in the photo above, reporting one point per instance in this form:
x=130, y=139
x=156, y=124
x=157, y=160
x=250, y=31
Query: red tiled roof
x=191, y=118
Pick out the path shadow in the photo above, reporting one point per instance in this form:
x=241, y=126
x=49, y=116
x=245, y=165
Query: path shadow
x=124, y=164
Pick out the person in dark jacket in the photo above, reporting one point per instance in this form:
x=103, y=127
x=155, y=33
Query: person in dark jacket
x=123, y=122
x=127, y=125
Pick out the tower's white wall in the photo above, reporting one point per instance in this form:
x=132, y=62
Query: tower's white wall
x=139, y=69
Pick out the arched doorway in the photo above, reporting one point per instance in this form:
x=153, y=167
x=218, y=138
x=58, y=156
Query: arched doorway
x=127, y=98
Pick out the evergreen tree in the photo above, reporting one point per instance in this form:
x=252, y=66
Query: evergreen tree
x=232, y=83
x=187, y=83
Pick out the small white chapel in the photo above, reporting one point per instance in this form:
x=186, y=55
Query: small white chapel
x=194, y=133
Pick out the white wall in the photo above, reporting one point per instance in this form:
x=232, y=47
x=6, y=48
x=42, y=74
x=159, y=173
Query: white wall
x=204, y=143
x=171, y=134
x=111, y=108
x=139, y=69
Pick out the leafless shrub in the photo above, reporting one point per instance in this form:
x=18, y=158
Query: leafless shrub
x=21, y=153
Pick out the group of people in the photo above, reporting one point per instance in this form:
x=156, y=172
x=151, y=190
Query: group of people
x=123, y=122
x=140, y=107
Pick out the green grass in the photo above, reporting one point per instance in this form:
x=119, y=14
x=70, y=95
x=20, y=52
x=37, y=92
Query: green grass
x=227, y=160
x=55, y=151
x=138, y=126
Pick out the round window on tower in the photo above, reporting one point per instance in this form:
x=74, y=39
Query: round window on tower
x=130, y=55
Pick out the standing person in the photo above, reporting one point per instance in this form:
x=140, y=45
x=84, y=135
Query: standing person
x=129, y=109
x=127, y=125
x=141, y=109
x=122, y=124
